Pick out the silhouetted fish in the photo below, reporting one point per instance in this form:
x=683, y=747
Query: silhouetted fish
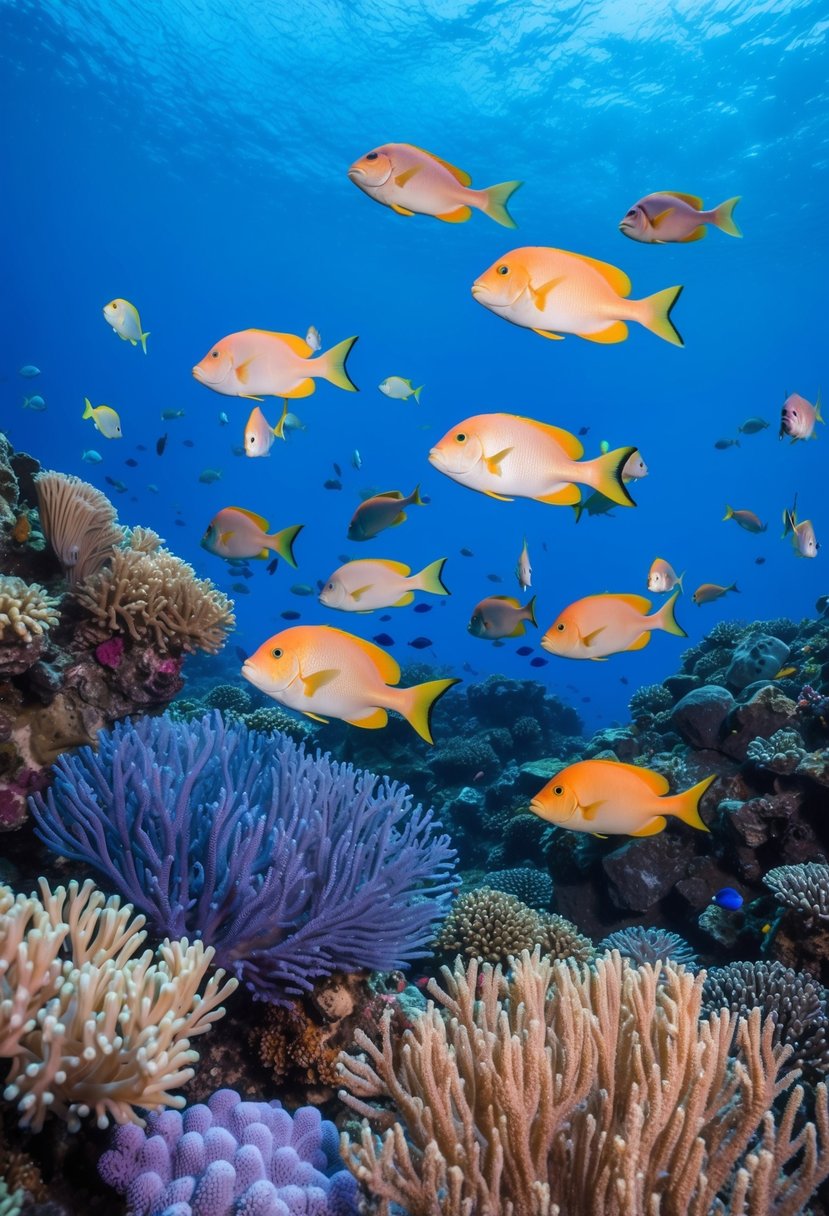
x=246, y=573
x=583, y=430
x=759, y=561
x=467, y=553
x=240, y=588
x=271, y=567
x=133, y=464
x=383, y=639
x=423, y=607
x=180, y=523
x=538, y=662
x=337, y=469
x=386, y=616
x=160, y=445
x=332, y=484
x=188, y=443
x=524, y=651
x=495, y=578
x=420, y=643
x=139, y=447
x=289, y=615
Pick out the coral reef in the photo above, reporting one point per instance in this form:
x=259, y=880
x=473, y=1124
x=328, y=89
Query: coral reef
x=79, y=523
x=91, y=1024
x=527, y=883
x=11, y=1202
x=289, y=865
x=229, y=1157
x=650, y=946
x=556, y=1089
x=560, y=939
x=492, y=925
x=804, y=888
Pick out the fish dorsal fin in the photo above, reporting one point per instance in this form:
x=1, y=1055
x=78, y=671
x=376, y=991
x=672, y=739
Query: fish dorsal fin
x=633, y=601
x=654, y=781
x=692, y=200
x=298, y=345
x=617, y=278
x=563, y=438
x=387, y=667
x=508, y=599
x=257, y=519
x=388, y=564
x=388, y=494
x=458, y=174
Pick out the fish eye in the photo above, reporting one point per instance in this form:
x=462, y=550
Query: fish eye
x=560, y=626
x=558, y=790
x=460, y=437
x=330, y=587
x=502, y=270
x=277, y=653
x=372, y=156
x=114, y=306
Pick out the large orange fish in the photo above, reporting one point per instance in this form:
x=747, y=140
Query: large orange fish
x=553, y=292
x=327, y=673
x=414, y=182
x=601, y=625
x=255, y=363
x=608, y=798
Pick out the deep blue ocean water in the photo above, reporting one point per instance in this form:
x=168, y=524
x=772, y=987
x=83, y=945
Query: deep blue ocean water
x=192, y=158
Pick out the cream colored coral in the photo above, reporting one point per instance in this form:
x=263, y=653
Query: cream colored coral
x=27, y=610
x=154, y=596
x=597, y=1091
x=78, y=521
x=107, y=1029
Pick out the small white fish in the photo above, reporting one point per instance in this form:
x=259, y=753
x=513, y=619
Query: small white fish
x=259, y=434
x=36, y=403
x=125, y=321
x=662, y=577
x=523, y=570
x=29, y=371
x=314, y=338
x=153, y=488
x=399, y=389
x=105, y=418
x=90, y=456
x=223, y=419
x=356, y=459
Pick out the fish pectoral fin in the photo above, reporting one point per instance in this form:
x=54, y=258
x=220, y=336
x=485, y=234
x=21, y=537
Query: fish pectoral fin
x=316, y=717
x=398, y=520
x=358, y=594
x=589, y=811
x=539, y=294
x=401, y=210
x=567, y=496
x=617, y=332
x=243, y=370
x=641, y=642
x=651, y=829
x=590, y=638
x=663, y=215
x=406, y=176
x=404, y=600
x=318, y=680
x=493, y=462
x=545, y=333
x=599, y=836
x=518, y=631
x=224, y=537
x=696, y=235
x=500, y=497
x=459, y=216
x=248, y=397
x=374, y=721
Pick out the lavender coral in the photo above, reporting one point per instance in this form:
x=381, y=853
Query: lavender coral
x=231, y=1158
x=290, y=865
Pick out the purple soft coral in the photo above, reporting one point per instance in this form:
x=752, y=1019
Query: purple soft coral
x=230, y=1158
x=290, y=865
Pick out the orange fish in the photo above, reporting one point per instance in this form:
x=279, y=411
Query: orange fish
x=326, y=673
x=22, y=529
x=414, y=182
x=601, y=625
x=553, y=292
x=612, y=799
x=255, y=363
x=706, y=593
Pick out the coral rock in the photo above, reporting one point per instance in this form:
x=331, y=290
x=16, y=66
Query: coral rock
x=758, y=657
x=699, y=716
x=769, y=710
x=642, y=872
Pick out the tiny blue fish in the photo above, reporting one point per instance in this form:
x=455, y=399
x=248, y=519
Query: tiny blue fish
x=420, y=643
x=386, y=616
x=289, y=615
x=538, y=662
x=728, y=898
x=271, y=567
x=423, y=607
x=383, y=639
x=524, y=651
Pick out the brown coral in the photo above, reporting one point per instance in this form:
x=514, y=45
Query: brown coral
x=79, y=523
x=561, y=939
x=488, y=924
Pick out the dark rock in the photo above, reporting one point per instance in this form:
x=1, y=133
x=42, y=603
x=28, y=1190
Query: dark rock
x=535, y=774
x=700, y=714
x=759, y=657
x=617, y=740
x=681, y=684
x=767, y=711
x=642, y=872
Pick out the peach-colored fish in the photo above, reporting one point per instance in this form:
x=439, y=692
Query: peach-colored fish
x=799, y=417
x=256, y=363
x=662, y=577
x=601, y=625
x=670, y=217
x=414, y=182
x=706, y=593
x=553, y=292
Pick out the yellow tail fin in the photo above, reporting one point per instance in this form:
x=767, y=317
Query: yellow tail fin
x=665, y=618
x=729, y=513
x=330, y=366
x=283, y=543
x=88, y=412
x=724, y=216
x=607, y=479
x=495, y=203
x=416, y=704
x=144, y=338
x=686, y=805
x=656, y=314
x=430, y=578
x=531, y=610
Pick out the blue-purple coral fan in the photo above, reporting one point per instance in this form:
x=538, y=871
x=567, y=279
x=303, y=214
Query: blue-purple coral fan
x=231, y=1158
x=290, y=865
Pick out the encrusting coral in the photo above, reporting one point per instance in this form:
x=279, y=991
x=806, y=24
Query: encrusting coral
x=26, y=610
x=90, y=1024
x=493, y=925
x=527, y=883
x=79, y=523
x=600, y=1091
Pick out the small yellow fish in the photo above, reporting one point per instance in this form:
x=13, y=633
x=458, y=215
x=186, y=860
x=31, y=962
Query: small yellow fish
x=105, y=419
x=22, y=529
x=706, y=593
x=413, y=181
x=124, y=319
x=784, y=672
x=601, y=625
x=608, y=798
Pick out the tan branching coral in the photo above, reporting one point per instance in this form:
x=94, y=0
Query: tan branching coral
x=596, y=1091
x=561, y=939
x=154, y=596
x=493, y=925
x=92, y=1025
x=79, y=523
x=143, y=539
x=27, y=611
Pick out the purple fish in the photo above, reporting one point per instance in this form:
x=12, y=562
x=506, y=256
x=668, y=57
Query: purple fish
x=289, y=615
x=538, y=662
x=420, y=643
x=423, y=607
x=383, y=639
x=524, y=651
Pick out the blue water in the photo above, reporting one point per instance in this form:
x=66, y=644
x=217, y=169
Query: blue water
x=192, y=158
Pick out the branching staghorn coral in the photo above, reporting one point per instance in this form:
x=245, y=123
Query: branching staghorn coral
x=79, y=523
x=27, y=611
x=153, y=596
x=599, y=1091
x=290, y=865
x=91, y=1025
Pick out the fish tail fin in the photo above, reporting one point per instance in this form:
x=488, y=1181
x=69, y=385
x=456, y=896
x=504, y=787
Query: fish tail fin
x=531, y=610
x=655, y=314
x=495, y=200
x=608, y=481
x=665, y=618
x=679, y=582
x=686, y=805
x=724, y=216
x=416, y=393
x=734, y=587
x=279, y=429
x=283, y=543
x=416, y=704
x=729, y=513
x=578, y=510
x=417, y=501
x=26, y=401
x=330, y=366
x=88, y=411
x=430, y=578
x=144, y=338
x=818, y=415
